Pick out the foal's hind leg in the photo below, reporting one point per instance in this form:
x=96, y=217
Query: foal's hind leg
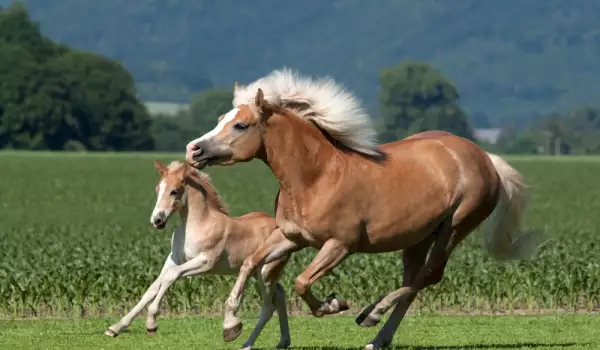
x=275, y=247
x=273, y=296
x=331, y=254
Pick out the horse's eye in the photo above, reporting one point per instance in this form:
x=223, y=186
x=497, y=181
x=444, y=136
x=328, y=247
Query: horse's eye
x=173, y=193
x=240, y=126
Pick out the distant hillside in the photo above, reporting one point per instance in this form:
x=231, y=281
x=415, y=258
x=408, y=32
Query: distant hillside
x=510, y=59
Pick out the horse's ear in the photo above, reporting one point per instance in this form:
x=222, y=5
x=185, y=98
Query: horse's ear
x=220, y=118
x=160, y=167
x=235, y=86
x=264, y=108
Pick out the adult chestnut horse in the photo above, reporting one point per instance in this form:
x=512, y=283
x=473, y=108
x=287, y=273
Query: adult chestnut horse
x=342, y=193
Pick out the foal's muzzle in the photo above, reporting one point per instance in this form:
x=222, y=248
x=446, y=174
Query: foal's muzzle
x=159, y=220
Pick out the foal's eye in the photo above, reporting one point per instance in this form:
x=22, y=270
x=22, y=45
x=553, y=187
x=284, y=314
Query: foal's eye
x=173, y=193
x=240, y=126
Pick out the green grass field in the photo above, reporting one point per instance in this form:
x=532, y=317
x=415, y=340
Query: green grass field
x=76, y=241
x=334, y=333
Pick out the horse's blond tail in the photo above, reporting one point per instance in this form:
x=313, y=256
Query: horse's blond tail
x=504, y=239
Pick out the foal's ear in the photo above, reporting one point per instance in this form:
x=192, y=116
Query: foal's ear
x=264, y=108
x=220, y=118
x=160, y=167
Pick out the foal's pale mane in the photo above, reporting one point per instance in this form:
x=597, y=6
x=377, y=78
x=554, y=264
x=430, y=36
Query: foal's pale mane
x=324, y=102
x=203, y=179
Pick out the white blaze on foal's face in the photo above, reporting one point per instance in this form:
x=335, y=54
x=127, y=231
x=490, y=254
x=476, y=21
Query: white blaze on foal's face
x=169, y=196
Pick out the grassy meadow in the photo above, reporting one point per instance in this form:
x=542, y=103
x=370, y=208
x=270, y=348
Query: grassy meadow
x=76, y=241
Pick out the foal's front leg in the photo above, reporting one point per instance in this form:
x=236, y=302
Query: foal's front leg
x=150, y=293
x=199, y=264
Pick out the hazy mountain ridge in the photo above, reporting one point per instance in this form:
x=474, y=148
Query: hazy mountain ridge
x=509, y=59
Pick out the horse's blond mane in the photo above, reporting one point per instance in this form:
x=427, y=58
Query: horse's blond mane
x=212, y=195
x=323, y=101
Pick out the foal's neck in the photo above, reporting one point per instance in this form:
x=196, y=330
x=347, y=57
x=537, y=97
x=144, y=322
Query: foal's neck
x=196, y=208
x=297, y=152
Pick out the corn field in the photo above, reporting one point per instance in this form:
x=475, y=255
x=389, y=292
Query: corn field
x=76, y=240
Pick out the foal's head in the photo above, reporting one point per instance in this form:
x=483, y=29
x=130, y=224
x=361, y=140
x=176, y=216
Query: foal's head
x=236, y=138
x=178, y=182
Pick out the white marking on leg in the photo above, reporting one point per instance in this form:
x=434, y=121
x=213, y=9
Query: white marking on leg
x=226, y=119
x=195, y=266
x=145, y=300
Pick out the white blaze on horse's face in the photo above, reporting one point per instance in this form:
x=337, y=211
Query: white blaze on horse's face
x=235, y=138
x=227, y=118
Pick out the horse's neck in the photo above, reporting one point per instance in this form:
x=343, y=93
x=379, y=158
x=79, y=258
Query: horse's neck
x=298, y=153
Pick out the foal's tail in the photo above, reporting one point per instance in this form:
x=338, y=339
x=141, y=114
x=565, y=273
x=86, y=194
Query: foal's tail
x=504, y=239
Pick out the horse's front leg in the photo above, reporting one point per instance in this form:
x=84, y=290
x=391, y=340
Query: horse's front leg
x=275, y=246
x=331, y=254
x=148, y=296
x=199, y=264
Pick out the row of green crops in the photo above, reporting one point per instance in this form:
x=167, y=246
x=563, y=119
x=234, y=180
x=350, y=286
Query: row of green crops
x=75, y=239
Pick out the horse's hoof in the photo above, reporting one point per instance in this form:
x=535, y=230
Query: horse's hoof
x=111, y=333
x=151, y=331
x=366, y=320
x=283, y=345
x=382, y=346
x=233, y=332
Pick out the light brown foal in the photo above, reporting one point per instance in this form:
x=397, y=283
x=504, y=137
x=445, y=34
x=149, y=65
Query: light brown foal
x=208, y=241
x=342, y=193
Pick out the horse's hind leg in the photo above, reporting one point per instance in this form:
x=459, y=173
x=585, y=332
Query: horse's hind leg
x=429, y=274
x=413, y=259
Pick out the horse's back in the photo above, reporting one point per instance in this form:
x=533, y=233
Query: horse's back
x=477, y=179
x=434, y=170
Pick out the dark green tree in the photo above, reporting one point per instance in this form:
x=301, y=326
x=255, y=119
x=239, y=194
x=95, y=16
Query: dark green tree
x=207, y=106
x=172, y=132
x=56, y=98
x=416, y=97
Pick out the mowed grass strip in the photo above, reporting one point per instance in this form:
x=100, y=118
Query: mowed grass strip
x=76, y=240
x=329, y=333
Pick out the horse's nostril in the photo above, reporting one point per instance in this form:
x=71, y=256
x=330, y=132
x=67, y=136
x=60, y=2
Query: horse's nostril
x=158, y=221
x=198, y=152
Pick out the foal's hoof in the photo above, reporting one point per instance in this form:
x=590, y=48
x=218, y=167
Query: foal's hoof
x=337, y=305
x=233, y=332
x=151, y=331
x=111, y=333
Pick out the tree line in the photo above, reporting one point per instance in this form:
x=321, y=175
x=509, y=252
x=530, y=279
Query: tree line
x=53, y=97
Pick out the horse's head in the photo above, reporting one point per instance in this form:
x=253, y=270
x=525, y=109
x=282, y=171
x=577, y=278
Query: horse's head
x=236, y=138
x=170, y=190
